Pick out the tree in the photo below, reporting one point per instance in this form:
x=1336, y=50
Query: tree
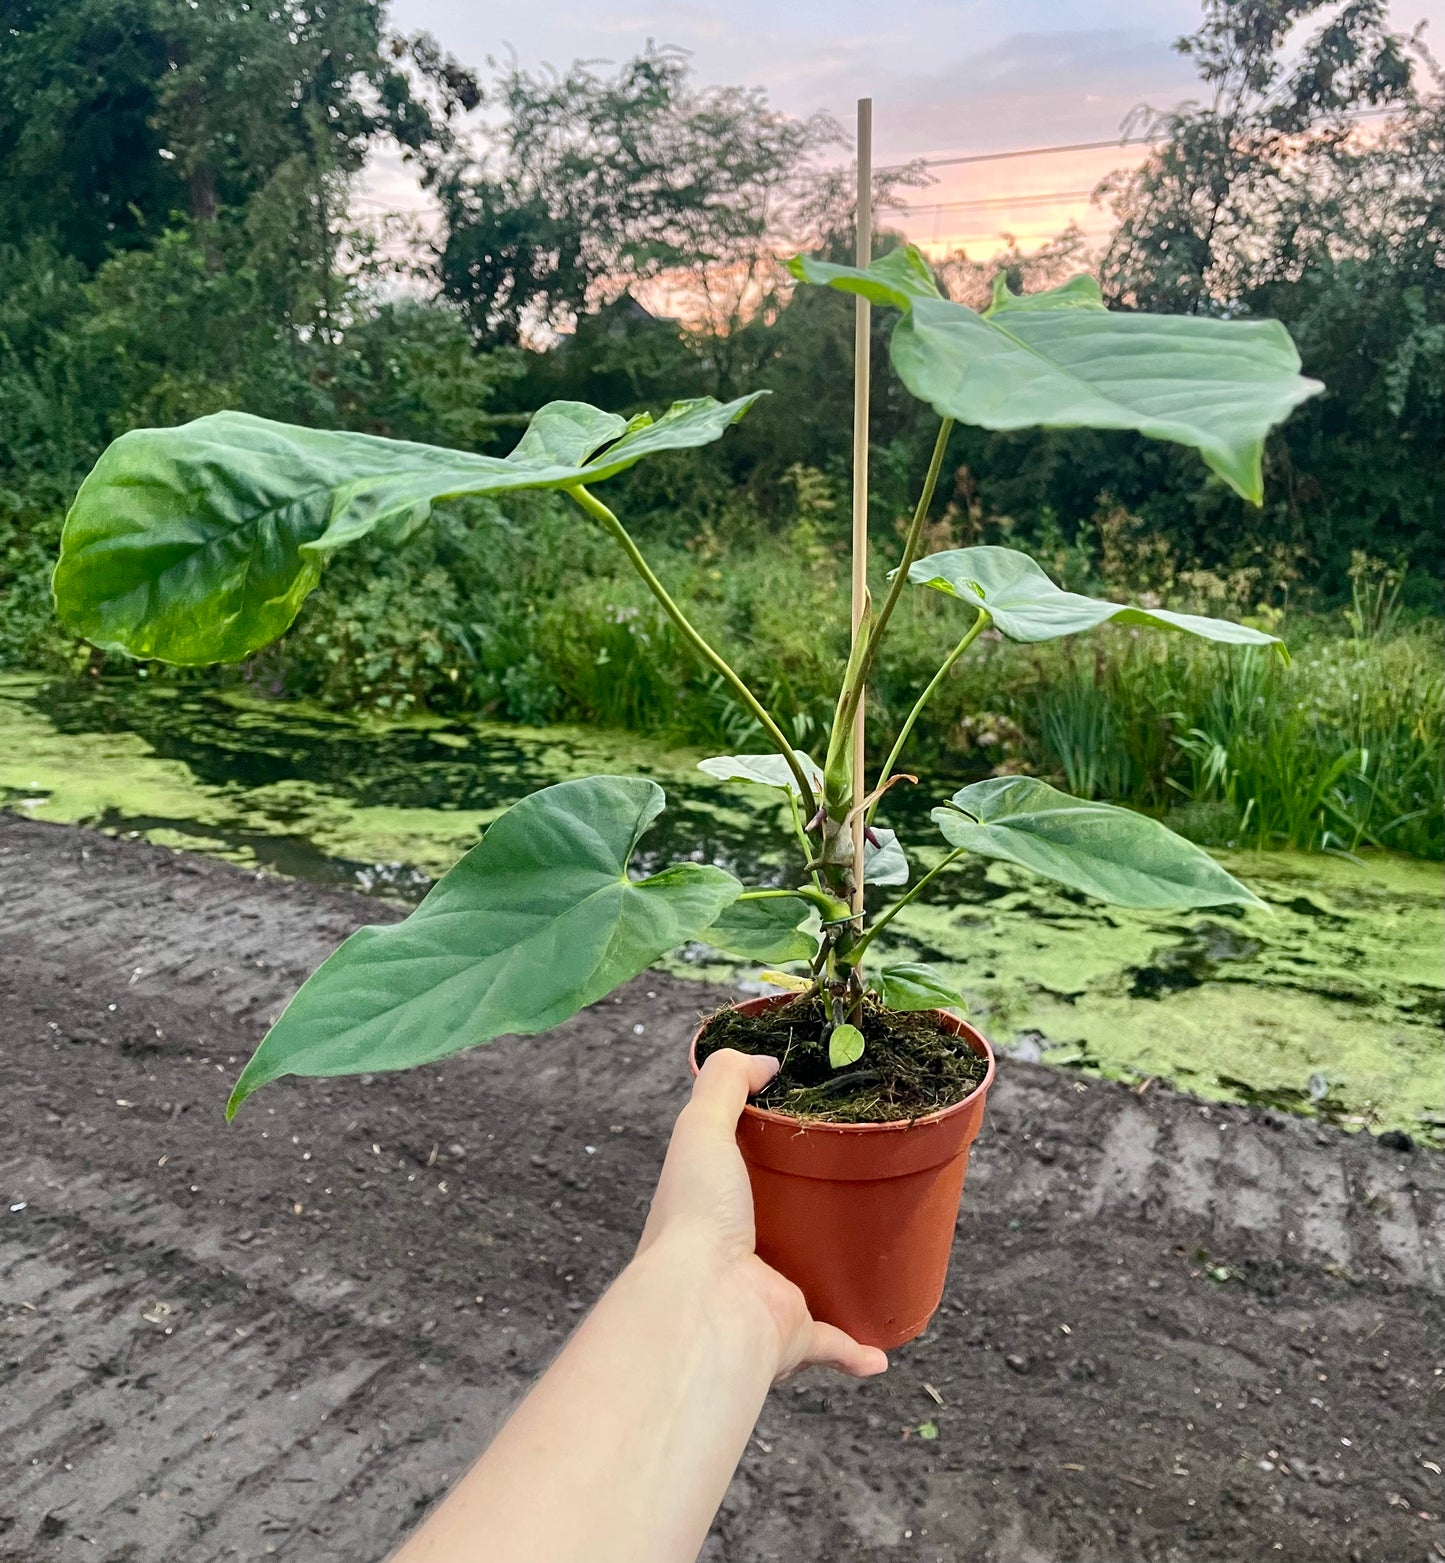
x=174, y=239
x=1276, y=198
x=1215, y=209
x=116, y=115
x=591, y=183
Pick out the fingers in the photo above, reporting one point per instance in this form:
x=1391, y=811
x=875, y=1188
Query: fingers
x=723, y=1085
x=829, y=1347
x=719, y=1094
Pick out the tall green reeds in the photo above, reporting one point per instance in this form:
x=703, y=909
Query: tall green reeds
x=1341, y=750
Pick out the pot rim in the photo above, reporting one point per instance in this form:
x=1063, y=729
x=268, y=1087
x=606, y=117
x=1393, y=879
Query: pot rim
x=884, y=1125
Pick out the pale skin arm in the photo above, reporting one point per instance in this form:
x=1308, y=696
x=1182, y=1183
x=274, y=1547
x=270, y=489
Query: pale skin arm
x=623, y=1450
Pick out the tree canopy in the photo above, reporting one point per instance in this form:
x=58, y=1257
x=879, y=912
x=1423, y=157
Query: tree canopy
x=589, y=181
x=1310, y=187
x=177, y=236
x=117, y=114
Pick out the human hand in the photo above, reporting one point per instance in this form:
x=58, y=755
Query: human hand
x=702, y=1217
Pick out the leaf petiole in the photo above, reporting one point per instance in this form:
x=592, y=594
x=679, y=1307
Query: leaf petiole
x=715, y=659
x=857, y=676
x=979, y=625
x=854, y=954
x=830, y=905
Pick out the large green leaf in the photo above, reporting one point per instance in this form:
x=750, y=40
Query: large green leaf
x=773, y=929
x=1112, y=853
x=1060, y=360
x=198, y=544
x=536, y=921
x=910, y=985
x=1024, y=603
x=767, y=770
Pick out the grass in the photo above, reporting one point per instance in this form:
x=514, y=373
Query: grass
x=1340, y=750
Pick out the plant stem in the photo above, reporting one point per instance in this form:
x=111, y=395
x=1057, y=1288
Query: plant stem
x=848, y=708
x=854, y=954
x=979, y=625
x=910, y=545
x=599, y=512
x=830, y=905
x=800, y=835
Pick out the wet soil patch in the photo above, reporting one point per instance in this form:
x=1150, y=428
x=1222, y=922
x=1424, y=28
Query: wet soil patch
x=911, y=1065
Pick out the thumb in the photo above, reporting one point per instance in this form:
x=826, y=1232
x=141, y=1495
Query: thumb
x=723, y=1085
x=830, y=1347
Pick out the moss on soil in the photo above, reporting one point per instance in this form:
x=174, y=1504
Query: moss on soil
x=910, y=1066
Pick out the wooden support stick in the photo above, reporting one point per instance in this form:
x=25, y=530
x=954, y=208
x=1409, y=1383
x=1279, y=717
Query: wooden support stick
x=861, y=354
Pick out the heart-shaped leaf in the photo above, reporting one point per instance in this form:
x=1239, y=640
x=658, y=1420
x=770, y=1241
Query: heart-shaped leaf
x=845, y=1046
x=536, y=921
x=767, y=770
x=910, y=985
x=1061, y=360
x=884, y=864
x=199, y=544
x=1115, y=854
x=771, y=928
x=1024, y=603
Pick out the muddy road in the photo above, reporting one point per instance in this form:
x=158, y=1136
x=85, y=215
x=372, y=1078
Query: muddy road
x=1172, y=1330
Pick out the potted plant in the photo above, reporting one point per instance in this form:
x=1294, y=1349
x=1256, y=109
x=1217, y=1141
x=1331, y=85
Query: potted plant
x=198, y=544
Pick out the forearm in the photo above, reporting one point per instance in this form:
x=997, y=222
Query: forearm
x=623, y=1451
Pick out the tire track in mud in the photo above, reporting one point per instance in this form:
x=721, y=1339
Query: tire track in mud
x=281, y=1339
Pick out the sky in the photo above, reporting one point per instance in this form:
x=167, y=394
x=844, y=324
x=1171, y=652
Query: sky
x=980, y=76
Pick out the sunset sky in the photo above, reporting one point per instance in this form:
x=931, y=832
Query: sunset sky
x=977, y=77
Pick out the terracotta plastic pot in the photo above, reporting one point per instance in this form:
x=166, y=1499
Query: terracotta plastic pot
x=861, y=1215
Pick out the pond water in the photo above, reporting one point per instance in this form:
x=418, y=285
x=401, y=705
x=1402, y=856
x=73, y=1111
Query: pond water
x=1333, y=1004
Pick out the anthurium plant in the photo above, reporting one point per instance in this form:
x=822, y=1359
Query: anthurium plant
x=198, y=544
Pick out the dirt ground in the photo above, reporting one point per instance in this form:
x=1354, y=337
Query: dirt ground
x=1172, y=1330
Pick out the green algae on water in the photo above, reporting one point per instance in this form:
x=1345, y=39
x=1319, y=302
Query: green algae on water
x=1332, y=1004
x=383, y=806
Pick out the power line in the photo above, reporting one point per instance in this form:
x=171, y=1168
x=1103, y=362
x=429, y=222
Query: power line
x=1034, y=198
x=999, y=157
x=1031, y=198
x=957, y=239
x=1077, y=146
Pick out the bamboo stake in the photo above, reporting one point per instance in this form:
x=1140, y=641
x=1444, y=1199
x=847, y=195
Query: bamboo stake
x=861, y=354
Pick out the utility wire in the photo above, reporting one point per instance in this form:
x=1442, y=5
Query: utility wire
x=957, y=240
x=999, y=157
x=1031, y=198
x=1073, y=146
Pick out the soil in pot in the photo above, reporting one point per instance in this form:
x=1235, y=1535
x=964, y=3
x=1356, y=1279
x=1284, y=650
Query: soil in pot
x=910, y=1065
